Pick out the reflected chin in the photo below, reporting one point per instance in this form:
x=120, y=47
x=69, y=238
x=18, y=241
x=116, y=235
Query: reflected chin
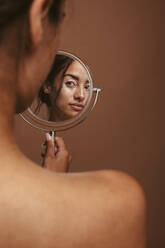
x=69, y=115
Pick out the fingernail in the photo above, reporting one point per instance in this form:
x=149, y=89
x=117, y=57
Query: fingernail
x=48, y=137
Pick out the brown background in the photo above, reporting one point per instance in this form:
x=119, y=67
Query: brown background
x=123, y=44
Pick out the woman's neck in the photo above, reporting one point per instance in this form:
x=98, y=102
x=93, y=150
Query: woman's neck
x=8, y=91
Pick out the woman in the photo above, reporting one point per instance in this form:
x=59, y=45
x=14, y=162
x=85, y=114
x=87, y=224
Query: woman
x=40, y=208
x=65, y=91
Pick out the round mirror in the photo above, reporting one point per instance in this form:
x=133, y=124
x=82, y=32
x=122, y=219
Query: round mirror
x=65, y=98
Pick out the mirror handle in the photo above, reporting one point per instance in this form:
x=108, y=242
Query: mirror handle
x=97, y=91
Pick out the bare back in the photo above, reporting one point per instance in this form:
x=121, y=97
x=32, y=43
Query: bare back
x=43, y=209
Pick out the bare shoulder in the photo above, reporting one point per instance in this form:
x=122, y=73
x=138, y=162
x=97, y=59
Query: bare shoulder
x=73, y=210
x=114, y=187
x=124, y=185
x=117, y=209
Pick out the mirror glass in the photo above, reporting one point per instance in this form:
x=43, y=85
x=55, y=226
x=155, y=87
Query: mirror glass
x=66, y=96
x=65, y=92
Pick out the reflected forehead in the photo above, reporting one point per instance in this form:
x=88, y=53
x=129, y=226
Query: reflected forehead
x=78, y=70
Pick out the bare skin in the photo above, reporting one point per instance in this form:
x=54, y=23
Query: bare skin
x=40, y=208
x=74, y=91
x=55, y=155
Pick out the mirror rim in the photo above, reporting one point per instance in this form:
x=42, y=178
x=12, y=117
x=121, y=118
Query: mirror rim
x=45, y=125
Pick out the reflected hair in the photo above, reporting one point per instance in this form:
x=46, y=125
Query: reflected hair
x=61, y=64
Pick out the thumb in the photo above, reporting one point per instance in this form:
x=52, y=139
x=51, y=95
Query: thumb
x=50, y=145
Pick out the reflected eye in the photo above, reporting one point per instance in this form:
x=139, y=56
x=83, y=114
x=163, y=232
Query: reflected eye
x=87, y=86
x=70, y=84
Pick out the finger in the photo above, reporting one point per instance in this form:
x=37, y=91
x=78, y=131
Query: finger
x=69, y=163
x=70, y=159
x=55, y=145
x=43, y=154
x=43, y=149
x=60, y=144
x=50, y=145
x=55, y=148
x=44, y=143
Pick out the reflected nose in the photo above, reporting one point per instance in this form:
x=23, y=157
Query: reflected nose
x=79, y=94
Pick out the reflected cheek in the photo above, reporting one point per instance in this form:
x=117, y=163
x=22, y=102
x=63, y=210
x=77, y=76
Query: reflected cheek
x=64, y=99
x=86, y=94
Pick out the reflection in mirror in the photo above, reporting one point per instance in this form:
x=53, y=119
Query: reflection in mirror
x=66, y=97
x=65, y=92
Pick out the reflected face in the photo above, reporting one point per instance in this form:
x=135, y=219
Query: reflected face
x=73, y=93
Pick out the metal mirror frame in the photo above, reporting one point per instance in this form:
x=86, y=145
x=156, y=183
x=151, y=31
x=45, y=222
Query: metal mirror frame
x=44, y=125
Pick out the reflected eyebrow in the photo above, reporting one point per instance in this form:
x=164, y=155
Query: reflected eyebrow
x=74, y=77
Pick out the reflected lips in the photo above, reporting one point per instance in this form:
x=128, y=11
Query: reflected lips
x=77, y=107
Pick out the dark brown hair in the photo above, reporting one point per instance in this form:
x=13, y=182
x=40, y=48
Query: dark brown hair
x=61, y=64
x=12, y=9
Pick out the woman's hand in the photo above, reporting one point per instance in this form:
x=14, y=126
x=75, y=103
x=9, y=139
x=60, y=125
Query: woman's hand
x=55, y=155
